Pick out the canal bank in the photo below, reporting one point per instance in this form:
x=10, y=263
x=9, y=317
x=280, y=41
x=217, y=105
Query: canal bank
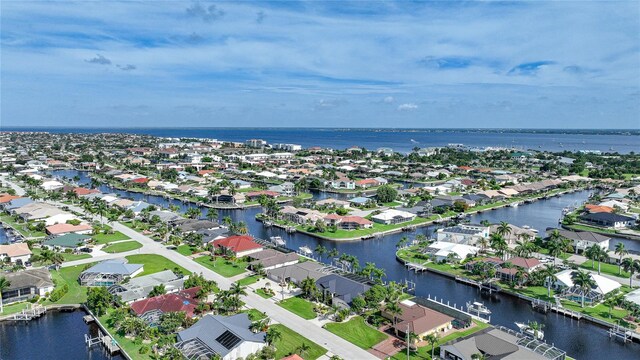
x=580, y=339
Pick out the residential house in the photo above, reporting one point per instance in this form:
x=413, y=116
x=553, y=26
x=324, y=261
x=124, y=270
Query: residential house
x=229, y=337
x=350, y=222
x=27, y=284
x=272, y=259
x=419, y=319
x=67, y=241
x=18, y=253
x=59, y=229
x=582, y=240
x=463, y=233
x=603, y=286
x=609, y=220
x=340, y=289
x=393, y=216
x=301, y=215
x=240, y=245
x=151, y=309
x=516, y=234
x=448, y=251
x=139, y=287
x=343, y=183
x=493, y=343
x=297, y=273
x=109, y=272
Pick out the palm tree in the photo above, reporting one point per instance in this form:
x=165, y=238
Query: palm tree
x=394, y=309
x=499, y=244
x=236, y=290
x=631, y=266
x=309, y=288
x=503, y=229
x=333, y=253
x=320, y=250
x=622, y=251
x=212, y=214
x=273, y=335
x=536, y=327
x=583, y=281
x=601, y=254
x=101, y=209
x=403, y=242
x=4, y=284
x=479, y=356
x=303, y=349
x=432, y=339
x=592, y=253
x=611, y=303
x=549, y=272
x=483, y=242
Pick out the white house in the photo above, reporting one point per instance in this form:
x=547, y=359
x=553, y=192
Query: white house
x=463, y=233
x=16, y=253
x=442, y=250
x=59, y=219
x=393, y=216
x=52, y=185
x=603, y=285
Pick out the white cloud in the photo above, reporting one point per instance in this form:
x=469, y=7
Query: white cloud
x=388, y=100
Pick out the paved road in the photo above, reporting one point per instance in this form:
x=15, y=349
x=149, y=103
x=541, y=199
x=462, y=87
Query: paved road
x=334, y=344
x=19, y=191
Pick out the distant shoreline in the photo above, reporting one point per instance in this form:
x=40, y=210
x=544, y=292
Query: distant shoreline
x=626, y=132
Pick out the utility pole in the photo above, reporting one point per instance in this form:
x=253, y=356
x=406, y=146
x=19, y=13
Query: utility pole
x=408, y=336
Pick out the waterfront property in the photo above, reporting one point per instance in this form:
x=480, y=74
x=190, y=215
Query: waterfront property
x=499, y=343
x=468, y=234
x=582, y=240
x=109, y=272
x=151, y=309
x=564, y=284
x=340, y=290
x=228, y=337
x=68, y=241
x=139, y=287
x=393, y=216
x=27, y=284
x=239, y=245
x=297, y=273
x=419, y=320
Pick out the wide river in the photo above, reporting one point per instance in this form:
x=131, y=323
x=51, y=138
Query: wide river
x=580, y=339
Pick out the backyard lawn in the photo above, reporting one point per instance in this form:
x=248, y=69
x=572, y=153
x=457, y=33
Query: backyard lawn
x=222, y=266
x=605, y=268
x=291, y=342
x=127, y=344
x=299, y=306
x=122, y=247
x=14, y=308
x=107, y=238
x=77, y=294
x=154, y=263
x=357, y=332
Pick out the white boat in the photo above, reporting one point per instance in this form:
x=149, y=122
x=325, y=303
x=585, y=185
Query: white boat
x=305, y=250
x=526, y=329
x=477, y=308
x=277, y=240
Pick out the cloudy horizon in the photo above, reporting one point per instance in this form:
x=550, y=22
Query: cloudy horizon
x=321, y=64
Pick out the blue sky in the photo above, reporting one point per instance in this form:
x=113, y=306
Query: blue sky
x=567, y=64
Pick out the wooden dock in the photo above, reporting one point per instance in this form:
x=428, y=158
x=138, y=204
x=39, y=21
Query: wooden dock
x=106, y=341
x=31, y=313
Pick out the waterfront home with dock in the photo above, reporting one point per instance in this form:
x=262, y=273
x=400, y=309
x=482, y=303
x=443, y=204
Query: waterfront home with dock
x=27, y=284
x=419, y=320
x=109, y=272
x=151, y=309
x=138, y=288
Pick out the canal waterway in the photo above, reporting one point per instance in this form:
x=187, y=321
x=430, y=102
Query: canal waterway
x=55, y=336
x=580, y=339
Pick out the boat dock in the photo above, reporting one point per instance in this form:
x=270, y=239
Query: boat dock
x=34, y=311
x=545, y=307
x=415, y=267
x=621, y=333
x=107, y=342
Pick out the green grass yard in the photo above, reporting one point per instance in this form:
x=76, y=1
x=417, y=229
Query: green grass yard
x=300, y=307
x=291, y=342
x=127, y=344
x=154, y=263
x=14, y=308
x=122, y=247
x=605, y=268
x=185, y=249
x=107, y=238
x=249, y=280
x=223, y=266
x=357, y=332
x=77, y=294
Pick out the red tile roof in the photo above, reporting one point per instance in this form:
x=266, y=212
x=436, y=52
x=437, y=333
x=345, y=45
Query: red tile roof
x=237, y=243
x=5, y=198
x=598, y=208
x=84, y=191
x=526, y=263
x=140, y=180
x=67, y=228
x=182, y=301
x=262, y=192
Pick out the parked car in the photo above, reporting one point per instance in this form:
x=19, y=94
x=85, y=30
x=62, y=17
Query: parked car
x=86, y=250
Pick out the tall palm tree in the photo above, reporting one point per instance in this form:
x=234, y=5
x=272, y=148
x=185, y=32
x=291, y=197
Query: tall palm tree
x=631, y=266
x=273, y=335
x=320, y=250
x=601, y=254
x=504, y=229
x=584, y=281
x=536, y=327
x=4, y=285
x=432, y=339
x=394, y=309
x=549, y=273
x=622, y=252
